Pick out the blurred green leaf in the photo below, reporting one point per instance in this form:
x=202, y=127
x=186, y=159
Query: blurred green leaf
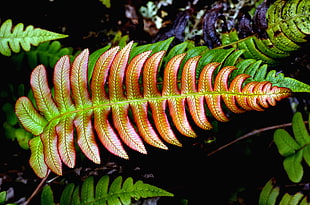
x=47, y=196
x=288, y=199
x=293, y=167
x=23, y=137
x=107, y=3
x=285, y=142
x=299, y=129
x=8, y=110
x=269, y=193
x=2, y=197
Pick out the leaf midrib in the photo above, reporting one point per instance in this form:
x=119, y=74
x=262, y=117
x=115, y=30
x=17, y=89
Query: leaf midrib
x=109, y=104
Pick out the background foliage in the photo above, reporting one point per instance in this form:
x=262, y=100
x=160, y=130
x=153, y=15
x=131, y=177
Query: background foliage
x=234, y=175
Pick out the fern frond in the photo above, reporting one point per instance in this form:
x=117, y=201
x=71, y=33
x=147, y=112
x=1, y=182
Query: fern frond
x=12, y=39
x=104, y=191
x=288, y=29
x=125, y=96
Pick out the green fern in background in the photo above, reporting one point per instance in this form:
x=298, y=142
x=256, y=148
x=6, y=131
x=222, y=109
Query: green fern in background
x=288, y=30
x=46, y=53
x=13, y=39
x=117, y=192
x=104, y=191
x=271, y=195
